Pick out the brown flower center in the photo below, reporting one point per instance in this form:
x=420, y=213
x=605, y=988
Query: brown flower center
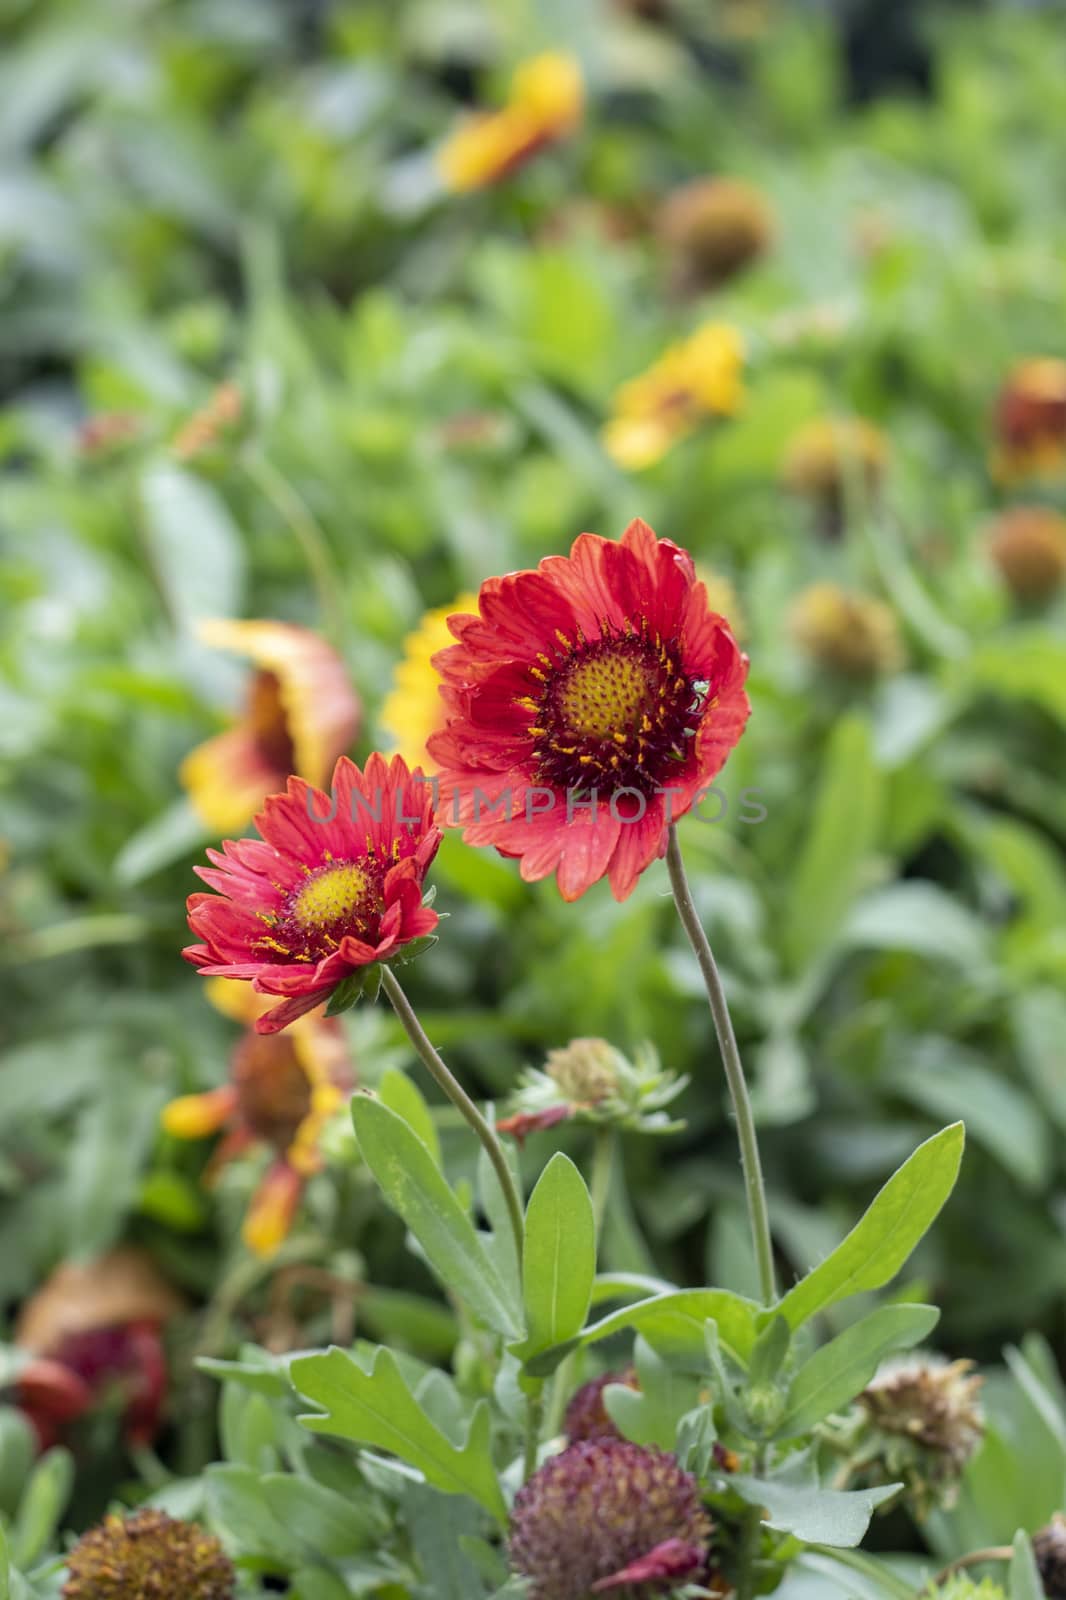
x=269, y=722
x=618, y=711
x=339, y=899
x=273, y=1090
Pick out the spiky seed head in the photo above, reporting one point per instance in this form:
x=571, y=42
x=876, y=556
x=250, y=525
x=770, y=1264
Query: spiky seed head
x=148, y=1556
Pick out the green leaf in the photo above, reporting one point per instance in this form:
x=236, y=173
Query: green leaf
x=947, y=1080
x=922, y=919
x=418, y=1192
x=361, y=985
x=843, y=831
x=43, y=1503
x=559, y=1261
x=651, y=1414
x=194, y=545
x=674, y=1324
x=177, y=832
x=332, y=1525
x=397, y=1091
x=377, y=1408
x=817, y=1516
x=237, y=1506
x=841, y=1369
x=877, y=1247
x=1025, y=1583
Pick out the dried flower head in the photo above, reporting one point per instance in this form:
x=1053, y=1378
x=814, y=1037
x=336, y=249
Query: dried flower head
x=148, y=1556
x=586, y=1415
x=1027, y=545
x=830, y=455
x=600, y=1506
x=1049, y=1548
x=848, y=635
x=926, y=1424
x=713, y=229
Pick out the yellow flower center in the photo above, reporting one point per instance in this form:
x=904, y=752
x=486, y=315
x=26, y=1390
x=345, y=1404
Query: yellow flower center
x=345, y=892
x=603, y=695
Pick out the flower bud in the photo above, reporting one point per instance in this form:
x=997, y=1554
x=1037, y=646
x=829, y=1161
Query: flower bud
x=585, y=1070
x=926, y=1424
x=1027, y=545
x=714, y=228
x=587, y=1416
x=148, y=1554
x=847, y=635
x=827, y=456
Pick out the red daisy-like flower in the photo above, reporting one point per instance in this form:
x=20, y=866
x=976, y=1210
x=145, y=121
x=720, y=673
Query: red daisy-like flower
x=589, y=704
x=334, y=884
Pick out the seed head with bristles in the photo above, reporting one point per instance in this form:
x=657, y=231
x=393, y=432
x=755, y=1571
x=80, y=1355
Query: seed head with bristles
x=597, y=1508
x=1049, y=1548
x=148, y=1556
x=926, y=1424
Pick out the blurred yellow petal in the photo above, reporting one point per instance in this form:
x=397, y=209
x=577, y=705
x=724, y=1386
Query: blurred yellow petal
x=194, y=1116
x=274, y=1205
x=227, y=780
x=546, y=103
x=413, y=709
x=700, y=377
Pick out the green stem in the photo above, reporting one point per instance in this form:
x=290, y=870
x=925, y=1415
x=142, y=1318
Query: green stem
x=750, y=1535
x=460, y=1099
x=534, y=1418
x=602, y=1167
x=308, y=535
x=734, y=1071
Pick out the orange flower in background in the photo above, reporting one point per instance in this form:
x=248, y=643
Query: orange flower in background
x=333, y=886
x=1027, y=546
x=282, y=1091
x=301, y=713
x=695, y=380
x=94, y=1331
x=545, y=104
x=1031, y=421
x=588, y=704
x=414, y=708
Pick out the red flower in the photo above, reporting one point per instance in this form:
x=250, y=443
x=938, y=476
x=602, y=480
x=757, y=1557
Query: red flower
x=589, y=704
x=334, y=884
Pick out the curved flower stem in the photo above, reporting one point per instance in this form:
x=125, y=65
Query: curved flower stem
x=459, y=1098
x=976, y=1558
x=734, y=1071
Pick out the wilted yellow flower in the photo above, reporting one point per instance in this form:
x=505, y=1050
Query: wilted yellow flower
x=849, y=634
x=301, y=714
x=546, y=103
x=697, y=378
x=1031, y=421
x=1027, y=545
x=825, y=455
x=414, y=710
x=714, y=228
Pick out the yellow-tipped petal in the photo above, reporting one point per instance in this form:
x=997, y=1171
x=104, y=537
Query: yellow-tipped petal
x=227, y=780
x=546, y=103
x=414, y=710
x=195, y=1116
x=273, y=1207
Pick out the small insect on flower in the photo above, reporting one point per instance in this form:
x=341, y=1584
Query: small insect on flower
x=148, y=1556
x=333, y=886
x=1049, y=1548
x=414, y=709
x=94, y=1331
x=545, y=104
x=713, y=228
x=846, y=635
x=1027, y=546
x=1030, y=421
x=605, y=1514
x=283, y=1090
x=925, y=1424
x=589, y=704
x=693, y=381
x=301, y=713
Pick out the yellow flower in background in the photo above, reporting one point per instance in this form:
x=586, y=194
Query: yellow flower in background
x=282, y=1090
x=699, y=378
x=414, y=709
x=1031, y=421
x=300, y=714
x=846, y=634
x=545, y=104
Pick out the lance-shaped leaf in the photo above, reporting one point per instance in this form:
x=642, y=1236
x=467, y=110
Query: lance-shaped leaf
x=841, y=1369
x=674, y=1324
x=377, y=1408
x=877, y=1247
x=559, y=1260
x=817, y=1516
x=418, y=1192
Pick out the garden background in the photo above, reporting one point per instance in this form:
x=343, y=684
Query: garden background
x=261, y=359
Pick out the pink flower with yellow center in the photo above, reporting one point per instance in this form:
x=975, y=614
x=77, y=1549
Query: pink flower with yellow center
x=301, y=713
x=590, y=703
x=696, y=380
x=545, y=104
x=333, y=885
x=282, y=1090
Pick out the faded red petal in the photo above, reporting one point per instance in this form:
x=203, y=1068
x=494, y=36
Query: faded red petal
x=523, y=1123
x=674, y=1558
